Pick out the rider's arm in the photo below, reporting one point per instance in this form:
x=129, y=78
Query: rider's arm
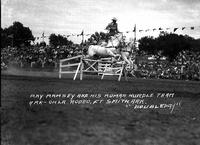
x=108, y=27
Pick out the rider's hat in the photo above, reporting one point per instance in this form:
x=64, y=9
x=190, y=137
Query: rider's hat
x=114, y=19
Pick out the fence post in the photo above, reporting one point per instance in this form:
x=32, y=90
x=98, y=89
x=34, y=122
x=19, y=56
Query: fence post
x=43, y=64
x=81, y=69
x=60, y=69
x=21, y=64
x=77, y=70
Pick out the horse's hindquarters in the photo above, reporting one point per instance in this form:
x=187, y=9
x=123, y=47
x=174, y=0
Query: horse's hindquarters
x=91, y=51
x=99, y=51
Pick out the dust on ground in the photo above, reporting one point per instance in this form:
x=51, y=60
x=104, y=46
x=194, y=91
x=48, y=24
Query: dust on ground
x=97, y=124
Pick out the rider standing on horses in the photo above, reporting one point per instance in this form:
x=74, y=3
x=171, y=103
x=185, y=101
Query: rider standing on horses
x=112, y=27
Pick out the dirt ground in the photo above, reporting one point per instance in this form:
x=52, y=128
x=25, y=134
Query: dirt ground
x=99, y=124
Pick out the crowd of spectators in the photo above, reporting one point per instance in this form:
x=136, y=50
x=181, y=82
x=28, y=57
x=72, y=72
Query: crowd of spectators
x=186, y=66
x=37, y=54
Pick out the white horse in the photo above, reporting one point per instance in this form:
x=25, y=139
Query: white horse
x=128, y=55
x=106, y=50
x=112, y=49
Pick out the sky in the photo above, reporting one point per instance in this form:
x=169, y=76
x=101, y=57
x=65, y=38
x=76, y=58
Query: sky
x=72, y=16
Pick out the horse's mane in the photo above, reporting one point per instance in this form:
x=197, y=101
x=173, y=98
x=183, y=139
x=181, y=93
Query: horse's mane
x=115, y=40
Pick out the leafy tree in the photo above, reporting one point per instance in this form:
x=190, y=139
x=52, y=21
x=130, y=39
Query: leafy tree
x=97, y=37
x=4, y=39
x=168, y=44
x=16, y=35
x=148, y=45
x=59, y=40
x=43, y=44
x=53, y=40
x=172, y=44
x=195, y=45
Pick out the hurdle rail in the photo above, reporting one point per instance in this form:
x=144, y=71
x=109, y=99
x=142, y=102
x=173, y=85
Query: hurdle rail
x=104, y=66
x=105, y=62
x=116, y=70
x=61, y=66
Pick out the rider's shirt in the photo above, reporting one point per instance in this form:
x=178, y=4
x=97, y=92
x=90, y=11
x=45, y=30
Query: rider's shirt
x=113, y=28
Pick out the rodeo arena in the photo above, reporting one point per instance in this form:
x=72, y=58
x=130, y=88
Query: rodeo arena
x=101, y=91
x=117, y=57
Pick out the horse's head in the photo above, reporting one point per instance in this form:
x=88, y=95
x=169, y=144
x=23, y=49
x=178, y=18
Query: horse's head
x=131, y=44
x=115, y=40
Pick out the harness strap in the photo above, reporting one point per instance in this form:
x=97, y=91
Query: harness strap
x=125, y=51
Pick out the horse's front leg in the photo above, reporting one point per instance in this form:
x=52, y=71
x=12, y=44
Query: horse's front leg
x=124, y=57
x=111, y=53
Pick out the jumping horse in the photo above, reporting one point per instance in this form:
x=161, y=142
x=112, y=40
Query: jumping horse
x=116, y=47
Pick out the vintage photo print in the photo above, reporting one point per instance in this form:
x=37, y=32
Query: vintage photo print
x=100, y=72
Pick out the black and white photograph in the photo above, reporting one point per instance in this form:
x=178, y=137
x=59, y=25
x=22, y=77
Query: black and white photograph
x=100, y=72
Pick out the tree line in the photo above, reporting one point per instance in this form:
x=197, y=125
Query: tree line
x=169, y=45
x=17, y=35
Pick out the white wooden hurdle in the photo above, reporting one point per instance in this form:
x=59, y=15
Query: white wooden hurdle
x=114, y=69
x=102, y=67
x=103, y=64
x=67, y=66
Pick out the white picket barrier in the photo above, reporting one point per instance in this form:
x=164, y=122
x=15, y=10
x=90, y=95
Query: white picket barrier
x=102, y=67
x=69, y=65
x=115, y=69
x=103, y=64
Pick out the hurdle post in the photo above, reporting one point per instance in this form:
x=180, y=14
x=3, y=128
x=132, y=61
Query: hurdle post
x=125, y=72
x=60, y=69
x=81, y=69
x=68, y=65
x=77, y=70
